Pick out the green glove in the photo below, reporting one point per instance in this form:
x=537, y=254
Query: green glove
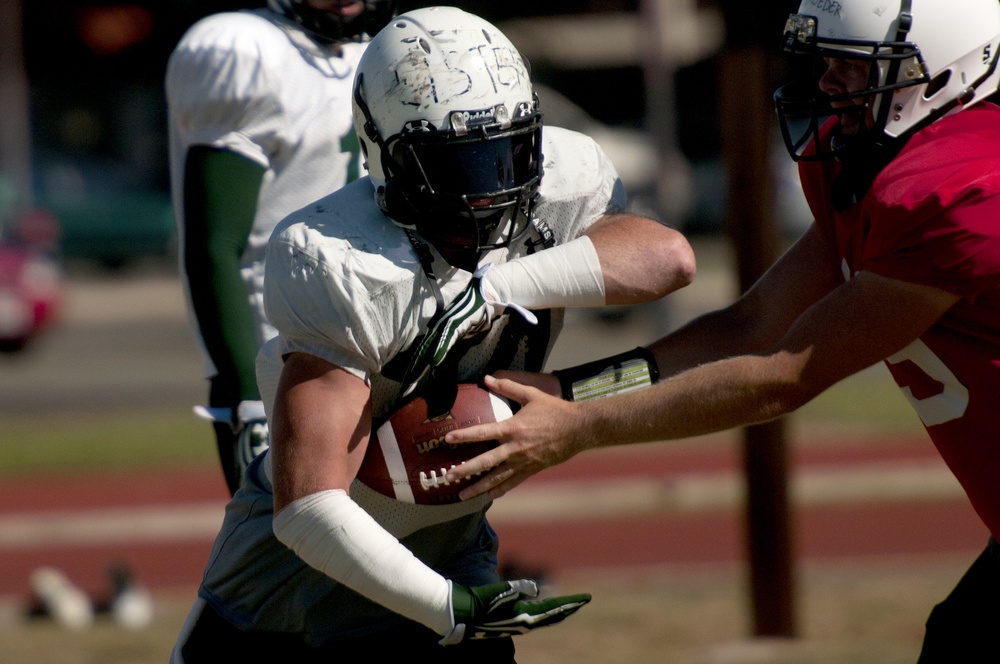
x=470, y=312
x=505, y=609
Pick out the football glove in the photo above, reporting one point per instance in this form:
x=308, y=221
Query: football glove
x=249, y=425
x=471, y=312
x=505, y=609
x=252, y=435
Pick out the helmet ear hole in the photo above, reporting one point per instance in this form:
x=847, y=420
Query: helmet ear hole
x=937, y=84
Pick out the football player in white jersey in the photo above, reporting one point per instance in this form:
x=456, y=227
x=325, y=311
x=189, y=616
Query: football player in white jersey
x=259, y=106
x=457, y=254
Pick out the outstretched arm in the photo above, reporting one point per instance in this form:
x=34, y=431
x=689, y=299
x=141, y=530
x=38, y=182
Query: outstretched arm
x=710, y=389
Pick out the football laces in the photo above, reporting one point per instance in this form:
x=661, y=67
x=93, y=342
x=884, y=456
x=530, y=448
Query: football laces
x=433, y=480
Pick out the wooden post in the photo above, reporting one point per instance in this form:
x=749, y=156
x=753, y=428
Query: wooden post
x=747, y=118
x=15, y=132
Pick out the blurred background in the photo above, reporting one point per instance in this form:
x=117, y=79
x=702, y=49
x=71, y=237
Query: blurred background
x=83, y=156
x=85, y=135
x=103, y=467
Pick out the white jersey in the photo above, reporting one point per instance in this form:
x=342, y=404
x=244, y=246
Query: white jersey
x=344, y=283
x=253, y=83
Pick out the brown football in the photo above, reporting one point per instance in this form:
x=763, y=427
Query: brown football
x=407, y=457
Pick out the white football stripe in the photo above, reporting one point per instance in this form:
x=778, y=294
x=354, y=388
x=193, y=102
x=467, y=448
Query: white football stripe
x=394, y=463
x=501, y=409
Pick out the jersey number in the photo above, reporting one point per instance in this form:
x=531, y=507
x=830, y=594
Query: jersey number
x=948, y=404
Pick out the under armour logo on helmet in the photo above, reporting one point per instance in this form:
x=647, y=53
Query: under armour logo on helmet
x=418, y=125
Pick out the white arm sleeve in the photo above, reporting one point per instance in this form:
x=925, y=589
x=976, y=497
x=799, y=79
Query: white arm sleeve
x=568, y=275
x=330, y=532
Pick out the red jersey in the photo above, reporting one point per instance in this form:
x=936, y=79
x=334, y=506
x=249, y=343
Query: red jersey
x=932, y=217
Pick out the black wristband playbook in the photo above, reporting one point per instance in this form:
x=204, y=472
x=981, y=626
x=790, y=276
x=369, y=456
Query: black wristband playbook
x=612, y=375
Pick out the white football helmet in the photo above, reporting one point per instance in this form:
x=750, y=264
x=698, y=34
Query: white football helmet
x=450, y=128
x=927, y=58
x=338, y=26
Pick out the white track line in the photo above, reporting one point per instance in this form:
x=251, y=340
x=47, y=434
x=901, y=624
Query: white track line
x=192, y=521
x=546, y=502
x=896, y=482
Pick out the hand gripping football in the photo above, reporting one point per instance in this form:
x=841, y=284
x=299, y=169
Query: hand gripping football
x=407, y=457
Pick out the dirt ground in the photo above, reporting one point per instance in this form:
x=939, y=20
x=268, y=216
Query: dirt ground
x=856, y=612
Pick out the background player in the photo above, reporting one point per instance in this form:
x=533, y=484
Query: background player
x=900, y=163
x=259, y=107
x=468, y=205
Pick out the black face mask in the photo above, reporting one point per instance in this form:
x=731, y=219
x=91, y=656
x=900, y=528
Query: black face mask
x=465, y=194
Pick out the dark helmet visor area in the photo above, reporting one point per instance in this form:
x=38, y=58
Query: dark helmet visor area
x=474, y=166
x=478, y=168
x=462, y=191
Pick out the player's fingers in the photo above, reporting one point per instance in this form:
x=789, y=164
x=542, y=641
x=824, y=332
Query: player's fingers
x=492, y=484
x=498, y=481
x=476, y=465
x=510, y=389
x=545, y=382
x=476, y=432
x=474, y=490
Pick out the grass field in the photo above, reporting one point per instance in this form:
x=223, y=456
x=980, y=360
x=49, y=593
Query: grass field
x=98, y=442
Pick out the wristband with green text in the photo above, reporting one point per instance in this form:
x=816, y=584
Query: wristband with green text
x=620, y=373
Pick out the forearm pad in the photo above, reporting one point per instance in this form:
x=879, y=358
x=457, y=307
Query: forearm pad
x=568, y=275
x=331, y=533
x=620, y=373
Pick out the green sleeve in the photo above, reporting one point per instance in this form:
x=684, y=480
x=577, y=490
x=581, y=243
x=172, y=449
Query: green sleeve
x=220, y=200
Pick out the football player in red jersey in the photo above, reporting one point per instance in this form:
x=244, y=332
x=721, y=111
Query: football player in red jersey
x=899, y=157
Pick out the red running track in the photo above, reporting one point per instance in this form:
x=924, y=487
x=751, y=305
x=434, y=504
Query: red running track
x=712, y=534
